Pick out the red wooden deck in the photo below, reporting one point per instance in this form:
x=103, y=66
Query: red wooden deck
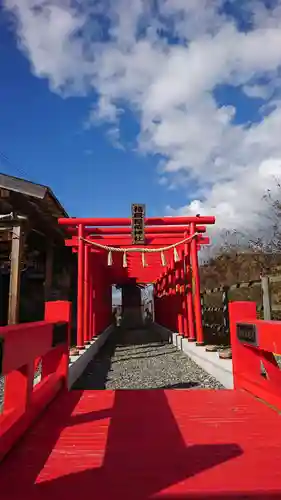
x=148, y=444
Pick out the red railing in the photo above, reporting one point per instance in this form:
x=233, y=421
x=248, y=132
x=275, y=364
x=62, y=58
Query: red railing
x=21, y=347
x=253, y=343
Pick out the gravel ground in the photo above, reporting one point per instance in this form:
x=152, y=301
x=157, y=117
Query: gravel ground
x=138, y=359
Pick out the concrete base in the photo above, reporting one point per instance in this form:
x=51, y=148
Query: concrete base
x=79, y=363
x=221, y=369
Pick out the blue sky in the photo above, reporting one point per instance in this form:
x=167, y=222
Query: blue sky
x=45, y=139
x=191, y=88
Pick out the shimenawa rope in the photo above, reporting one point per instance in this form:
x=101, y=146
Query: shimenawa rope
x=142, y=250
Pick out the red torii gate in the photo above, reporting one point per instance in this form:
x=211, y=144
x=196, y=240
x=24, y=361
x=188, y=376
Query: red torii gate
x=177, y=302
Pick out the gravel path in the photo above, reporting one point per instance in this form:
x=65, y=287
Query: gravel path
x=139, y=359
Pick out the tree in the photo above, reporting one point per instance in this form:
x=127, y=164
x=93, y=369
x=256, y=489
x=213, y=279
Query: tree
x=241, y=256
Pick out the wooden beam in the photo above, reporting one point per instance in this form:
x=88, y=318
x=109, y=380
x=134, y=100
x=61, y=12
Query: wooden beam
x=14, y=289
x=49, y=270
x=38, y=218
x=5, y=234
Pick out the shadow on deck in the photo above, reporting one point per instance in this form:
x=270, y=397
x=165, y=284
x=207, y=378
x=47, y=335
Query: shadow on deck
x=67, y=454
x=139, y=445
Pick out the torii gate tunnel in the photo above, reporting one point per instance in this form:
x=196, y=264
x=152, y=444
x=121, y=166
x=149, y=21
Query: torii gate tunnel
x=168, y=260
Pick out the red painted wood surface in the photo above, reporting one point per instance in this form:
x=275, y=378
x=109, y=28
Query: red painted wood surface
x=149, y=221
x=247, y=359
x=80, y=289
x=127, y=230
x=21, y=347
x=126, y=445
x=126, y=241
x=134, y=270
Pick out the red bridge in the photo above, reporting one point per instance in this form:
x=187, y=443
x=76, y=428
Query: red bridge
x=168, y=444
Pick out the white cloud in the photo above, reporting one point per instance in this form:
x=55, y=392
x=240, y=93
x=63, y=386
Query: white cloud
x=230, y=208
x=130, y=60
x=258, y=91
x=46, y=33
x=114, y=137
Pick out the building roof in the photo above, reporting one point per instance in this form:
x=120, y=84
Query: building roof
x=35, y=201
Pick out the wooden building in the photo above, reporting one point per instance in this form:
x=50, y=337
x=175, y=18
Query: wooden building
x=35, y=265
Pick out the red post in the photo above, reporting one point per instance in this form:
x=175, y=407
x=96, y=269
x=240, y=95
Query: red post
x=80, y=288
x=160, y=301
x=94, y=315
x=164, y=299
x=189, y=301
x=94, y=302
x=18, y=388
x=178, y=298
x=104, y=299
x=99, y=294
x=91, y=311
x=242, y=361
x=183, y=296
x=168, y=304
x=109, y=320
x=108, y=299
x=86, y=293
x=196, y=288
x=168, y=298
x=96, y=296
x=57, y=360
x=156, y=301
x=173, y=297
x=185, y=320
x=100, y=297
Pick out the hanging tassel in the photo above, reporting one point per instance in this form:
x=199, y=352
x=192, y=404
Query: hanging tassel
x=125, y=264
x=109, y=258
x=144, y=264
x=176, y=255
x=163, y=259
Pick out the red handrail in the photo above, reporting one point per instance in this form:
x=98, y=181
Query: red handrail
x=21, y=347
x=253, y=343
